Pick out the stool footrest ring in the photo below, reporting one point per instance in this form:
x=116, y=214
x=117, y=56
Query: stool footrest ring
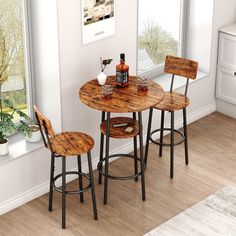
x=100, y=169
x=166, y=144
x=72, y=191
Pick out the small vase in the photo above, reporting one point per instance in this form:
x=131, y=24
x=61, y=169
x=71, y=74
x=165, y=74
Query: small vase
x=4, y=148
x=101, y=78
x=36, y=135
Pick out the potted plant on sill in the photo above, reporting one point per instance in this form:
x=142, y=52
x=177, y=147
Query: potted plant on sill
x=34, y=136
x=7, y=124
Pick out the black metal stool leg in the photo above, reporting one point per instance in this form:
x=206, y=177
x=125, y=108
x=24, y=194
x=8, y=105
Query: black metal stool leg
x=63, y=192
x=135, y=152
x=51, y=180
x=107, y=155
x=80, y=178
x=101, y=149
x=172, y=146
x=141, y=155
x=186, y=136
x=92, y=186
x=161, y=133
x=148, y=134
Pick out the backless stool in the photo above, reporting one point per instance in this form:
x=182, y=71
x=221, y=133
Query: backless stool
x=172, y=102
x=64, y=145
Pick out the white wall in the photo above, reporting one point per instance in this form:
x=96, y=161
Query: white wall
x=199, y=28
x=44, y=31
x=78, y=64
x=81, y=63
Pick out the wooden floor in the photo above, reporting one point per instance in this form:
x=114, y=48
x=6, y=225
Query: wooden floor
x=212, y=149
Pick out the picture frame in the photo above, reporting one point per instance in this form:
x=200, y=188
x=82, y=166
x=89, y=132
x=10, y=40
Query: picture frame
x=98, y=20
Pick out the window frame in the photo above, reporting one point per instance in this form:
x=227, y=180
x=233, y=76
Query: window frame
x=159, y=69
x=28, y=63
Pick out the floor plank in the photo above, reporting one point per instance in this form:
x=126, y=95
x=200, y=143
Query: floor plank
x=212, y=165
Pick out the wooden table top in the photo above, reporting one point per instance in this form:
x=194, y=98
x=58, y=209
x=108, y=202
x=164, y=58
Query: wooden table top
x=128, y=99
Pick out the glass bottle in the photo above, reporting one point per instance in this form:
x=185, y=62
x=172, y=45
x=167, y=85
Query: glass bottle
x=122, y=73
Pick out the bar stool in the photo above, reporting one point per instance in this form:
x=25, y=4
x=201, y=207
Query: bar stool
x=63, y=145
x=172, y=102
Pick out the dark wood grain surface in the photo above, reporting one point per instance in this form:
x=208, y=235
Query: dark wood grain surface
x=128, y=99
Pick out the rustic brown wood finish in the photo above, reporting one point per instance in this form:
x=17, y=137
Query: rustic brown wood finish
x=71, y=143
x=47, y=122
x=123, y=99
x=181, y=66
x=173, y=101
x=119, y=132
x=66, y=143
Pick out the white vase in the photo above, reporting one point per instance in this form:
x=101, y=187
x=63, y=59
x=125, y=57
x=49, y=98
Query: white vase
x=101, y=78
x=4, y=148
x=36, y=136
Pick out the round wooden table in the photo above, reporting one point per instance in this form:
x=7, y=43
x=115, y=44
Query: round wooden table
x=124, y=100
x=128, y=99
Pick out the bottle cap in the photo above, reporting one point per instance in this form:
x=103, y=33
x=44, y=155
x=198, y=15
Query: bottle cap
x=122, y=56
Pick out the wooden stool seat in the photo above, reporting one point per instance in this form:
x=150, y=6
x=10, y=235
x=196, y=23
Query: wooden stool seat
x=172, y=102
x=119, y=132
x=61, y=146
x=71, y=143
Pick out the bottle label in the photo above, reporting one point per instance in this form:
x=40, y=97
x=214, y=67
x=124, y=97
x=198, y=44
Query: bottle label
x=122, y=77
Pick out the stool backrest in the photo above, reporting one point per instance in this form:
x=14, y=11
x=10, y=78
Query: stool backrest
x=181, y=67
x=45, y=127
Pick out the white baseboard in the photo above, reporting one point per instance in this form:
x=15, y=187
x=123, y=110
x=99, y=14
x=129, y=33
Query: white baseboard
x=44, y=188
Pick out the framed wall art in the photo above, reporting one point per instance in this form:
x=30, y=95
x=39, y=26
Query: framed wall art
x=98, y=20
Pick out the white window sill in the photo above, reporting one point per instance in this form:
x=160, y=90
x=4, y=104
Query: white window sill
x=18, y=147
x=165, y=79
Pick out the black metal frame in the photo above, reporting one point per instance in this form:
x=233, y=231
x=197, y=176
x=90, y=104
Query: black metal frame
x=102, y=172
x=172, y=144
x=105, y=171
x=63, y=175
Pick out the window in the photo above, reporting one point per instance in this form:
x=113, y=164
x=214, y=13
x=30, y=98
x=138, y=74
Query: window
x=14, y=74
x=160, y=32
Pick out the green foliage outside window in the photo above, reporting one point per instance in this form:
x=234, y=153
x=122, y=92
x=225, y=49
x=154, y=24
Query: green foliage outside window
x=157, y=42
x=12, y=62
x=12, y=66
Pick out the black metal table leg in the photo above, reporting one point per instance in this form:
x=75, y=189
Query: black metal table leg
x=186, y=136
x=92, y=186
x=106, y=156
x=51, y=179
x=63, y=192
x=148, y=134
x=141, y=155
x=80, y=178
x=135, y=152
x=161, y=133
x=172, y=146
x=101, y=148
